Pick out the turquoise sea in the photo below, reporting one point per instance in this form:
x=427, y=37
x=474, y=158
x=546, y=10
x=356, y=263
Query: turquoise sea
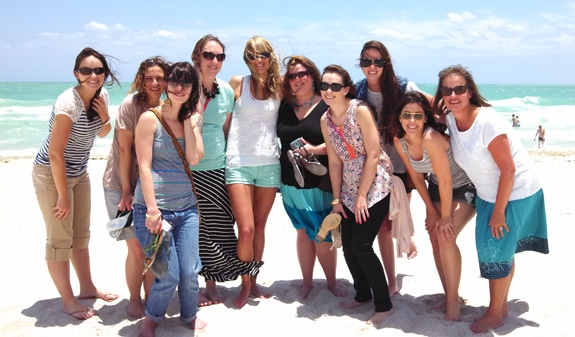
x=25, y=108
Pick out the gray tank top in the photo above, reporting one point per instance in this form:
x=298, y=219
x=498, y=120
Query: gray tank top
x=458, y=177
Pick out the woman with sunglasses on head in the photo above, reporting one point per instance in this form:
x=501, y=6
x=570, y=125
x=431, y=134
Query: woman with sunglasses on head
x=424, y=148
x=360, y=178
x=252, y=165
x=510, y=202
x=307, y=204
x=218, y=241
x=382, y=89
x=121, y=174
x=62, y=182
x=164, y=199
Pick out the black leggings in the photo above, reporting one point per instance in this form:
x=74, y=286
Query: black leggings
x=364, y=265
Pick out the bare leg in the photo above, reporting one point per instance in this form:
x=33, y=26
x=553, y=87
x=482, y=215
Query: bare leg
x=328, y=261
x=263, y=202
x=386, y=249
x=60, y=274
x=81, y=262
x=134, y=278
x=450, y=258
x=306, y=256
x=494, y=317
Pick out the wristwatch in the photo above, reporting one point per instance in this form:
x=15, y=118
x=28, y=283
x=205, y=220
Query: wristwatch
x=335, y=201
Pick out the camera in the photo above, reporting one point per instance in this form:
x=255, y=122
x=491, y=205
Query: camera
x=296, y=144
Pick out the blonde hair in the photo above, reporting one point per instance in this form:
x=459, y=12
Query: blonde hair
x=270, y=84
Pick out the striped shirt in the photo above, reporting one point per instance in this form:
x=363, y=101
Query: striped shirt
x=458, y=176
x=82, y=134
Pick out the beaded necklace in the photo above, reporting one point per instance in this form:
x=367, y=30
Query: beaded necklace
x=213, y=93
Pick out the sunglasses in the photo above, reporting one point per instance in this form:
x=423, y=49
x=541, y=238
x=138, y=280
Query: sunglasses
x=446, y=91
x=208, y=55
x=89, y=71
x=408, y=116
x=365, y=62
x=264, y=56
x=335, y=87
x=173, y=84
x=301, y=74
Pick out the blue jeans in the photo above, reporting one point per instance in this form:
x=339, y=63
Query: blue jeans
x=183, y=263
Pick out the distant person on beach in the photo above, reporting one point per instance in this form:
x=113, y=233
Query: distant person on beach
x=360, y=177
x=309, y=203
x=514, y=120
x=449, y=197
x=540, y=136
x=62, y=183
x=510, y=202
x=383, y=89
x=517, y=122
x=218, y=241
x=252, y=165
x=164, y=198
x=121, y=174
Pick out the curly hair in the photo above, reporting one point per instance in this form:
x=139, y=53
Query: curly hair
x=139, y=83
x=258, y=45
x=308, y=64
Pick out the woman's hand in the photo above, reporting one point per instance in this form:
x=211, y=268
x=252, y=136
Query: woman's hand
x=445, y=228
x=154, y=223
x=99, y=105
x=62, y=208
x=498, y=226
x=360, y=209
x=339, y=210
x=431, y=219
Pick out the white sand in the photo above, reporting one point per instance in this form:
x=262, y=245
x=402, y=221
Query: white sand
x=540, y=300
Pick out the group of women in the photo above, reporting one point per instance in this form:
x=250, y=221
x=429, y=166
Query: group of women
x=211, y=154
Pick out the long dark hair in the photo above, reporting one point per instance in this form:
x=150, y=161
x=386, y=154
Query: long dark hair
x=184, y=72
x=419, y=99
x=109, y=75
x=476, y=98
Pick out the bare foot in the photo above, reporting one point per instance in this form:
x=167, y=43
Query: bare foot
x=352, y=304
x=392, y=286
x=258, y=293
x=198, y=325
x=452, y=311
x=486, y=323
x=80, y=312
x=213, y=293
x=135, y=308
x=412, y=250
x=97, y=293
x=337, y=291
x=379, y=317
x=148, y=328
x=242, y=298
x=305, y=289
x=203, y=300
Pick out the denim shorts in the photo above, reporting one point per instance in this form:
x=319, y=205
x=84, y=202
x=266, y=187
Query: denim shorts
x=260, y=176
x=464, y=194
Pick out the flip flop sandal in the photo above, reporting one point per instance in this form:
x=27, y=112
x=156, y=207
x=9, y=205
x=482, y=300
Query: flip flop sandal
x=296, y=171
x=335, y=238
x=155, y=247
x=330, y=222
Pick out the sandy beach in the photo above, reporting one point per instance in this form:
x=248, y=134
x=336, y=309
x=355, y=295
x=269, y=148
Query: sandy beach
x=540, y=300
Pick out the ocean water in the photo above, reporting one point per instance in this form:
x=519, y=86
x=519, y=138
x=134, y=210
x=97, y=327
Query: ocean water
x=25, y=109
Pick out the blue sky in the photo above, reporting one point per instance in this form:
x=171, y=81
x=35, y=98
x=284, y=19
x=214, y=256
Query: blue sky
x=501, y=42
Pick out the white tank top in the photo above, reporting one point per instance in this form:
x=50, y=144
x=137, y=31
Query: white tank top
x=252, y=139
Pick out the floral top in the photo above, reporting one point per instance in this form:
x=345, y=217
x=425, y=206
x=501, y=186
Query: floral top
x=348, y=144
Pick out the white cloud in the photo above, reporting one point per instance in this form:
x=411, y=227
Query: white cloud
x=166, y=34
x=93, y=25
x=455, y=17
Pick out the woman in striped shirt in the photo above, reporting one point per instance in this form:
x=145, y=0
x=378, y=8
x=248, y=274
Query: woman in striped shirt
x=62, y=182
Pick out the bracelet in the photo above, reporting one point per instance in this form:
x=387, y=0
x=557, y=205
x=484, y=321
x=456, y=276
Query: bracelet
x=335, y=201
x=153, y=217
x=106, y=122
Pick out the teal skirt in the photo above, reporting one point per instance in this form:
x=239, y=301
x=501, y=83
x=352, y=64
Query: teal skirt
x=527, y=225
x=306, y=208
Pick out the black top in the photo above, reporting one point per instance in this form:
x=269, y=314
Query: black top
x=289, y=128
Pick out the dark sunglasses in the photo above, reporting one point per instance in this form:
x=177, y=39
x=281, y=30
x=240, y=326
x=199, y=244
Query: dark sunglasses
x=365, y=62
x=335, y=87
x=89, y=71
x=446, y=91
x=416, y=116
x=301, y=74
x=173, y=84
x=265, y=55
x=208, y=55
